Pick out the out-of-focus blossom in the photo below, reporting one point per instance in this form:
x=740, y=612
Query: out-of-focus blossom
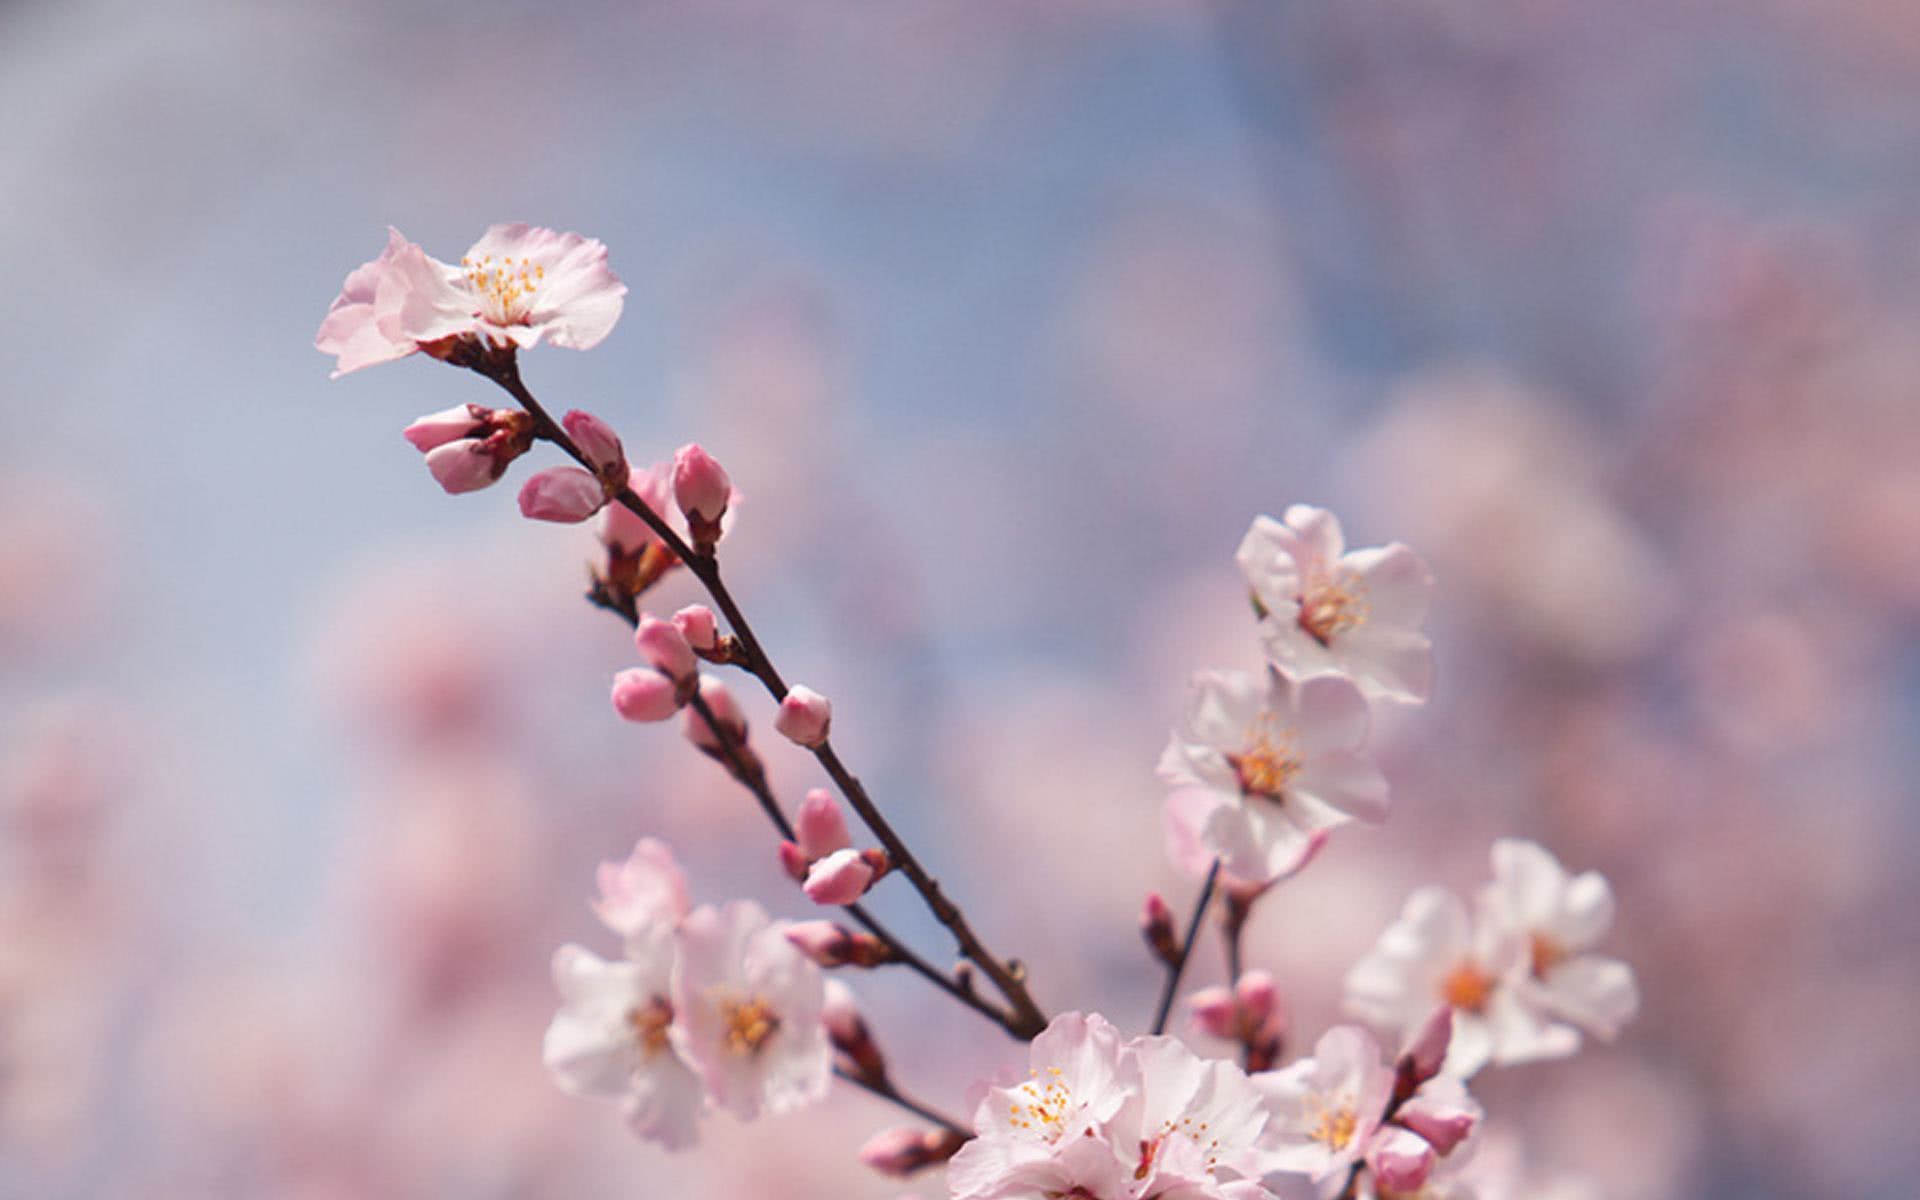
x=908, y=1150
x=644, y=894
x=611, y=1040
x=644, y=695
x=696, y=624
x=517, y=285
x=840, y=878
x=748, y=1007
x=1559, y=917
x=805, y=716
x=1285, y=759
x=623, y=532
x=1325, y=608
x=726, y=712
x=1436, y=954
x=665, y=650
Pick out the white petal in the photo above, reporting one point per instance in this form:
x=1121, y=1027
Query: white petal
x=1398, y=585
x=1598, y=994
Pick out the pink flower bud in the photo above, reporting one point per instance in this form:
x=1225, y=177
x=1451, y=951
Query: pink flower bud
x=1262, y=1011
x=793, y=861
x=725, y=711
x=660, y=643
x=1400, y=1160
x=1214, y=1013
x=696, y=624
x=1427, y=1049
x=642, y=694
x=597, y=440
x=826, y=943
x=804, y=716
x=463, y=466
x=839, y=878
x=1156, y=926
x=567, y=495
x=902, y=1152
x=1441, y=1112
x=621, y=530
x=821, y=826
x=448, y=425
x=700, y=484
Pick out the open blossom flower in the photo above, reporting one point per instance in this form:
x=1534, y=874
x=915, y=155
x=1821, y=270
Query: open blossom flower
x=519, y=284
x=611, y=1040
x=1325, y=608
x=644, y=896
x=1436, y=954
x=1324, y=1110
x=749, y=1012
x=1558, y=917
x=1049, y=1128
x=1194, y=1127
x=1282, y=762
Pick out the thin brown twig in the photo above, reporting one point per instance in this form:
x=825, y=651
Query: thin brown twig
x=1026, y=1018
x=1178, y=966
x=885, y=1089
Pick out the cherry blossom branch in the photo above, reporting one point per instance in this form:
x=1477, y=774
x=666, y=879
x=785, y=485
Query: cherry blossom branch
x=1026, y=1019
x=885, y=1088
x=1178, y=967
x=747, y=771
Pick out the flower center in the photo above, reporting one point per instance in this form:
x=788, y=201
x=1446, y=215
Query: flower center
x=1265, y=768
x=505, y=288
x=1334, y=1127
x=1044, y=1105
x=650, y=1022
x=750, y=1024
x=1547, y=954
x=1466, y=987
x=1331, y=606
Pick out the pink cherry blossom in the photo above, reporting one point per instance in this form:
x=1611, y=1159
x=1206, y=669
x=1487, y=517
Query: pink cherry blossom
x=644, y=893
x=517, y=285
x=1559, y=916
x=621, y=530
x=696, y=623
x=700, y=484
x=448, y=425
x=466, y=465
x=804, y=716
x=1195, y=1127
x=820, y=825
x=1436, y=954
x=660, y=643
x=1324, y=1109
x=566, y=495
x=1281, y=762
x=1399, y=1160
x=749, y=1012
x=611, y=1040
x=1329, y=609
x=1442, y=1112
x=597, y=440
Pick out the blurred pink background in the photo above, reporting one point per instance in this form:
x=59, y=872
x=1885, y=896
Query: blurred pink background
x=1006, y=319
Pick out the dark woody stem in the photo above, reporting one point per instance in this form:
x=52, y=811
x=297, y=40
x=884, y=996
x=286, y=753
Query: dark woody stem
x=746, y=769
x=1025, y=1020
x=885, y=1089
x=1179, y=965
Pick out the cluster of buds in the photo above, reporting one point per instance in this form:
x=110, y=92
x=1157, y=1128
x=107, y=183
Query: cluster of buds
x=821, y=858
x=469, y=446
x=569, y=495
x=1251, y=1013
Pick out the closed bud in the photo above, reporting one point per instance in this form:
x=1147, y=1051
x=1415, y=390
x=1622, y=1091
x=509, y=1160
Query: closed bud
x=820, y=826
x=1156, y=926
x=1400, y=1160
x=1443, y=1113
x=905, y=1151
x=566, y=495
x=700, y=484
x=804, y=717
x=840, y=878
x=696, y=624
x=793, y=861
x=463, y=466
x=1425, y=1052
x=660, y=643
x=643, y=694
x=601, y=445
x=449, y=425
x=827, y=944
x=1214, y=1013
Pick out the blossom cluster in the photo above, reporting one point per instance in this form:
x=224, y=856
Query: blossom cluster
x=724, y=1008
x=706, y=1008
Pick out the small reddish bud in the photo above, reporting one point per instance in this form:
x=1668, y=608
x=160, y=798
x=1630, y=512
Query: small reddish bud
x=1400, y=1160
x=1156, y=926
x=906, y=1151
x=804, y=717
x=702, y=489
